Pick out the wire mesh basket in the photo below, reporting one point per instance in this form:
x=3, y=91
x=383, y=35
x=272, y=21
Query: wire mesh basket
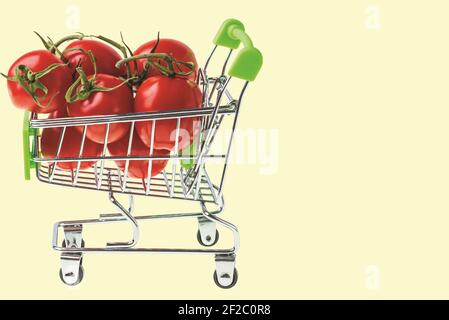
x=175, y=181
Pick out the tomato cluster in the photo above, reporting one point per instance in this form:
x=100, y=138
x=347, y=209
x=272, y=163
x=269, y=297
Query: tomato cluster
x=89, y=78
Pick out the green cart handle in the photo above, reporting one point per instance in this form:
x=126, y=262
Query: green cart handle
x=28, y=152
x=249, y=60
x=246, y=65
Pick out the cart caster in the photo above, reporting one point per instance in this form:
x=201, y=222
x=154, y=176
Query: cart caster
x=225, y=275
x=73, y=237
x=72, y=279
x=83, y=244
x=207, y=234
x=235, y=277
x=64, y=245
x=71, y=271
x=210, y=242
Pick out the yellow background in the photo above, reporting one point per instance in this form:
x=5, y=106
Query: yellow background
x=362, y=187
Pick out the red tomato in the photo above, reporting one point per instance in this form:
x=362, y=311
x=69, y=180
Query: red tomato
x=175, y=48
x=137, y=168
x=56, y=81
x=117, y=101
x=161, y=93
x=70, y=147
x=105, y=56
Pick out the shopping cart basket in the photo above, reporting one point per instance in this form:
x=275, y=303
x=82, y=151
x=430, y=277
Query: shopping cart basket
x=190, y=182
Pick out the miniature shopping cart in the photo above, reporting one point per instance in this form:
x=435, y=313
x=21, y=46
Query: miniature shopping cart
x=177, y=181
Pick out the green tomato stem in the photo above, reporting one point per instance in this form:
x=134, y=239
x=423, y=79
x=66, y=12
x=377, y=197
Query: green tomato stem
x=78, y=36
x=171, y=62
x=119, y=47
x=29, y=81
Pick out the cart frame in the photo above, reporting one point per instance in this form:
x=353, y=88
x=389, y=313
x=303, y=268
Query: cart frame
x=192, y=183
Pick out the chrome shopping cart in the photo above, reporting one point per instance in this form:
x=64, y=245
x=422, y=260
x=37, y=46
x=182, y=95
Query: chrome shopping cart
x=189, y=183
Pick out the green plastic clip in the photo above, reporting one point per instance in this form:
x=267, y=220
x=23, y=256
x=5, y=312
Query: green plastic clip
x=188, y=152
x=27, y=133
x=249, y=60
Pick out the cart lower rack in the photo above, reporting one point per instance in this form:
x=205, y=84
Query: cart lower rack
x=191, y=182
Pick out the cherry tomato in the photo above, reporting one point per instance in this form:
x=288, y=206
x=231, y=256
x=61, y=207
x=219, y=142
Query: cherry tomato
x=55, y=81
x=161, y=93
x=137, y=168
x=175, y=48
x=70, y=147
x=105, y=56
x=117, y=101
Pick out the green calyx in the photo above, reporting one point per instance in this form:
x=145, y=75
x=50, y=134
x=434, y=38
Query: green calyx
x=83, y=87
x=29, y=81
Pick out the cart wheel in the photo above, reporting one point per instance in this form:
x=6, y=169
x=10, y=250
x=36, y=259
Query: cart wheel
x=234, y=280
x=82, y=246
x=80, y=277
x=217, y=236
x=82, y=243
